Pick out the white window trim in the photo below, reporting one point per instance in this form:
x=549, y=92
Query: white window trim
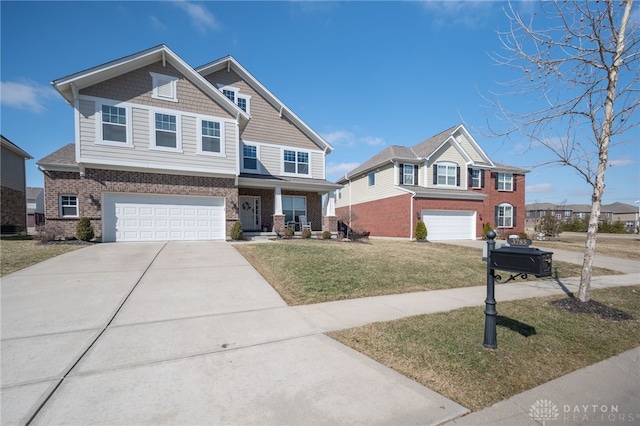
x=296, y=150
x=257, y=146
x=504, y=183
x=77, y=205
x=199, y=149
x=237, y=95
x=129, y=127
x=306, y=205
x=479, y=178
x=152, y=129
x=455, y=174
x=404, y=175
x=371, y=176
x=174, y=87
x=510, y=217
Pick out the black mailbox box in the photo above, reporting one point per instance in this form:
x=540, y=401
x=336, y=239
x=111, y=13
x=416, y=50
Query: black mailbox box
x=525, y=260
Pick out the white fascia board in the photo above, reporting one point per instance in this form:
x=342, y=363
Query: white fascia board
x=93, y=163
x=55, y=167
x=475, y=144
x=266, y=94
x=456, y=145
x=292, y=186
x=16, y=149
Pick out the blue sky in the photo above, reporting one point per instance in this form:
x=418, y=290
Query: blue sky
x=364, y=75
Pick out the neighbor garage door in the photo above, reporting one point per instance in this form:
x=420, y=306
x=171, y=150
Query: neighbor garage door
x=135, y=217
x=449, y=225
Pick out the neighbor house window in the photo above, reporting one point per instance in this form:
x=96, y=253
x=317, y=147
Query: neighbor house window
x=211, y=137
x=250, y=157
x=407, y=174
x=166, y=131
x=164, y=87
x=234, y=95
x=293, y=208
x=114, y=124
x=504, y=216
x=372, y=178
x=230, y=94
x=567, y=213
x=69, y=206
x=504, y=182
x=447, y=174
x=476, y=178
x=296, y=162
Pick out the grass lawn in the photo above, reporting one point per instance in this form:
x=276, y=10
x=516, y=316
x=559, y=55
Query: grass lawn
x=312, y=271
x=624, y=248
x=537, y=342
x=19, y=252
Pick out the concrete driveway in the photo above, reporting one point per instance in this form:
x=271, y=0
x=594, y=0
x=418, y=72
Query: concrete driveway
x=182, y=333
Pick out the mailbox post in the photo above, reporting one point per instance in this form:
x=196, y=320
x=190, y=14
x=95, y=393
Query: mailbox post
x=519, y=258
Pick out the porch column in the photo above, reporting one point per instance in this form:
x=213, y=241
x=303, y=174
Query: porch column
x=329, y=219
x=278, y=217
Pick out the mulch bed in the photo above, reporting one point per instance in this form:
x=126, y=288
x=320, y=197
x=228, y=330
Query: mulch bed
x=591, y=307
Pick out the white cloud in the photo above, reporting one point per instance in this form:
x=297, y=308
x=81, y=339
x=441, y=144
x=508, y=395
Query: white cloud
x=372, y=141
x=340, y=137
x=25, y=94
x=336, y=170
x=469, y=14
x=201, y=18
x=156, y=23
x=539, y=188
x=621, y=161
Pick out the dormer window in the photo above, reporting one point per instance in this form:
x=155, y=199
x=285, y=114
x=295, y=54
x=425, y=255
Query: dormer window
x=164, y=87
x=234, y=95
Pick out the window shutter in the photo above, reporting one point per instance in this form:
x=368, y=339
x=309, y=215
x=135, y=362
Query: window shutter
x=515, y=179
x=495, y=217
x=457, y=176
x=401, y=169
x=435, y=174
x=470, y=178
x=481, y=178
x=514, y=210
x=496, y=176
x=415, y=175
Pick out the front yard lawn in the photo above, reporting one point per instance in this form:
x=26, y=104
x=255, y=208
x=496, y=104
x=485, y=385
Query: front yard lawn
x=623, y=248
x=19, y=252
x=537, y=342
x=313, y=271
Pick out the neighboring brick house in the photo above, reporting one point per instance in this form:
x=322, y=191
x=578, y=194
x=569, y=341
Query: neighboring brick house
x=164, y=151
x=35, y=207
x=13, y=182
x=447, y=181
x=614, y=212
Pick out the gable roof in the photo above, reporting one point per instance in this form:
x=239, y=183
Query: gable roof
x=63, y=159
x=6, y=143
x=75, y=82
x=422, y=151
x=621, y=208
x=33, y=192
x=230, y=63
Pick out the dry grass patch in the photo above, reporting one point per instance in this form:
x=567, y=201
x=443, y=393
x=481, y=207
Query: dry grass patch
x=19, y=253
x=315, y=271
x=537, y=342
x=624, y=248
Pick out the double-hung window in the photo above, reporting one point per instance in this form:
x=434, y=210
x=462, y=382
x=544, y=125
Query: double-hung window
x=166, y=131
x=211, y=137
x=234, y=95
x=293, y=208
x=114, y=124
x=229, y=94
x=447, y=174
x=250, y=157
x=407, y=174
x=69, y=206
x=296, y=162
x=504, y=182
x=504, y=216
x=476, y=178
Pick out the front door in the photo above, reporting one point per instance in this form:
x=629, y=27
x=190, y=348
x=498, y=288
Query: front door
x=250, y=213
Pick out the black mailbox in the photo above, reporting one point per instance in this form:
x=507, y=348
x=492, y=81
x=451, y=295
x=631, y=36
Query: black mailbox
x=522, y=259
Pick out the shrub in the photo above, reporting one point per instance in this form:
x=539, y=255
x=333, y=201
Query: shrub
x=306, y=233
x=326, y=235
x=523, y=235
x=48, y=232
x=236, y=231
x=421, y=230
x=84, y=230
x=288, y=232
x=486, y=228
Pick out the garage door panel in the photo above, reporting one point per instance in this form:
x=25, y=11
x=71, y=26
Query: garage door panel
x=134, y=217
x=449, y=225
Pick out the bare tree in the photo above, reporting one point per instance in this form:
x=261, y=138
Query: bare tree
x=580, y=60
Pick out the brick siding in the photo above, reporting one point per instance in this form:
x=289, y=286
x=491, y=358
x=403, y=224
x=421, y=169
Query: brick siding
x=14, y=208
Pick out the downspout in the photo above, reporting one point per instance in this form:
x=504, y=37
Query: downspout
x=413, y=196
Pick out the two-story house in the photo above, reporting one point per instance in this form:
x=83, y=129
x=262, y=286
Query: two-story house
x=13, y=181
x=447, y=181
x=164, y=151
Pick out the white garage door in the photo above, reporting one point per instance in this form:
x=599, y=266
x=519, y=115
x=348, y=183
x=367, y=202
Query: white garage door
x=135, y=217
x=449, y=225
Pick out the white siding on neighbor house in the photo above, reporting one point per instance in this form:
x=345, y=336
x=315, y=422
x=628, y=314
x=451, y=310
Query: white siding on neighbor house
x=358, y=190
x=12, y=170
x=271, y=159
x=448, y=154
x=141, y=154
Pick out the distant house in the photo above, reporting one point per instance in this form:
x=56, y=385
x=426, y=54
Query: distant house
x=35, y=207
x=13, y=182
x=614, y=212
x=447, y=181
x=165, y=151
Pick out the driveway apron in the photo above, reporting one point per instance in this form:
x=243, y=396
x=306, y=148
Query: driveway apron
x=182, y=333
